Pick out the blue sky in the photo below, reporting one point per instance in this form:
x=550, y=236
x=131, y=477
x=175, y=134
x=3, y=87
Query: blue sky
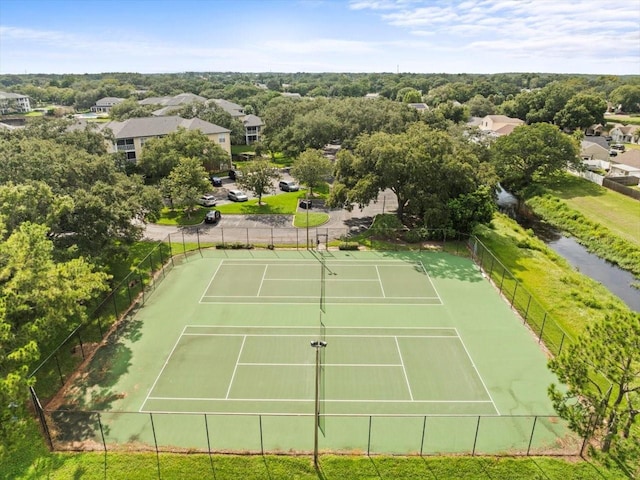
x=418, y=36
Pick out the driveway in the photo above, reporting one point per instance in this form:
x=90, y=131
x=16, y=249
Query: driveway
x=263, y=228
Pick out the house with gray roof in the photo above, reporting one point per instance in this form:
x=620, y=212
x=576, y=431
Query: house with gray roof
x=130, y=135
x=14, y=102
x=105, y=104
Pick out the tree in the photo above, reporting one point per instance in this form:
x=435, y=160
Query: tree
x=131, y=109
x=627, y=97
x=161, y=155
x=425, y=168
x=312, y=169
x=581, y=111
x=39, y=301
x=258, y=177
x=480, y=106
x=609, y=348
x=532, y=153
x=187, y=182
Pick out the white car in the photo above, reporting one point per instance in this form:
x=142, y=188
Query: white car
x=207, y=201
x=237, y=196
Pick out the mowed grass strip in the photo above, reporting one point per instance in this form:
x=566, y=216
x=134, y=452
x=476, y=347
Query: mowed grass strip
x=619, y=213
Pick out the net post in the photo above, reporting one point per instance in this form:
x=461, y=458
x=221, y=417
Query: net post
x=261, y=437
x=369, y=439
x=206, y=428
x=155, y=441
x=424, y=428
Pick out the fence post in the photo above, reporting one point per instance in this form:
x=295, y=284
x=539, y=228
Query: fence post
x=544, y=319
x=424, y=428
x=561, y=343
x=198, y=238
x=526, y=313
x=515, y=289
x=272, y=236
x=206, y=428
x=533, y=429
x=222, y=235
x=59, y=370
x=261, y=438
x=475, y=440
x=142, y=288
x=184, y=245
x=80, y=342
x=504, y=270
x=493, y=259
x=247, y=236
x=369, y=440
x=170, y=248
x=115, y=305
x=155, y=441
x=43, y=420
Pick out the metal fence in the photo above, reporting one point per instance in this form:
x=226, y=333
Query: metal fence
x=531, y=311
x=422, y=435
x=260, y=434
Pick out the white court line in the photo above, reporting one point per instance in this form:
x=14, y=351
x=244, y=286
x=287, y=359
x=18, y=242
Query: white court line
x=307, y=336
x=338, y=327
x=380, y=282
x=162, y=369
x=478, y=373
x=431, y=282
x=205, y=399
x=328, y=280
x=210, y=282
x=236, y=367
x=264, y=274
x=403, y=369
x=251, y=364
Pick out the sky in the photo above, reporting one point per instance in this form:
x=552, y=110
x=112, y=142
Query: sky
x=407, y=36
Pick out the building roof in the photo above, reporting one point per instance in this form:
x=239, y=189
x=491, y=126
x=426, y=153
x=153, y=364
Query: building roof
x=157, y=126
x=11, y=95
x=109, y=101
x=630, y=158
x=231, y=108
x=595, y=140
x=176, y=100
x=252, y=121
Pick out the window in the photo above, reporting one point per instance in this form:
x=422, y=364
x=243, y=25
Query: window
x=221, y=139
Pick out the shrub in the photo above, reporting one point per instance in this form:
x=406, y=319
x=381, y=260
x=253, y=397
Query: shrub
x=349, y=246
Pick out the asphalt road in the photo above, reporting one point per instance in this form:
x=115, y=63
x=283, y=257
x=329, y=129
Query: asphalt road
x=269, y=228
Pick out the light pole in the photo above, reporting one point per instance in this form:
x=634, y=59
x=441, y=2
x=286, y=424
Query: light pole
x=317, y=344
x=307, y=205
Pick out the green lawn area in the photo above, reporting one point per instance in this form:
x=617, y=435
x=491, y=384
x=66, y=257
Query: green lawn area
x=313, y=219
x=572, y=299
x=31, y=460
x=613, y=210
x=285, y=203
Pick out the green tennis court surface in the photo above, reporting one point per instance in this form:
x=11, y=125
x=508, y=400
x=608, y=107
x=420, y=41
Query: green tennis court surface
x=422, y=355
x=261, y=370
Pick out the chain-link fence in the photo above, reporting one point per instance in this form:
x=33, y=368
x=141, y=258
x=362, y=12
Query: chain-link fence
x=253, y=433
x=424, y=435
x=531, y=311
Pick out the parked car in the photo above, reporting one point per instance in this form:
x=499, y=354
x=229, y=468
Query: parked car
x=613, y=153
x=215, y=181
x=207, y=201
x=306, y=204
x=237, y=196
x=212, y=216
x=618, y=146
x=233, y=174
x=289, y=186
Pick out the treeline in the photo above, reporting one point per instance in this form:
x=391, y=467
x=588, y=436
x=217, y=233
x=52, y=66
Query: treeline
x=483, y=92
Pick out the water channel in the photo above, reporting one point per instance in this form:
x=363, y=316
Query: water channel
x=618, y=281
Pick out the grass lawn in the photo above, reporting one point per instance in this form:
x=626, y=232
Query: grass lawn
x=286, y=203
x=315, y=219
x=573, y=300
x=613, y=210
x=177, y=216
x=31, y=460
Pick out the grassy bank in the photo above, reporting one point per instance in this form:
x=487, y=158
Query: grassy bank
x=572, y=299
x=32, y=460
x=605, y=222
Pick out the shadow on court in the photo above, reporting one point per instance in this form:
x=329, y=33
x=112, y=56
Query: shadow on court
x=440, y=265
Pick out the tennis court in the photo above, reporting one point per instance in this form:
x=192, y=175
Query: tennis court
x=420, y=351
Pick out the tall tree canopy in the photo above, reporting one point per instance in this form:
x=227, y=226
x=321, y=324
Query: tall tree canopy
x=312, y=169
x=425, y=168
x=257, y=177
x=603, y=408
x=40, y=299
x=161, y=155
x=531, y=153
